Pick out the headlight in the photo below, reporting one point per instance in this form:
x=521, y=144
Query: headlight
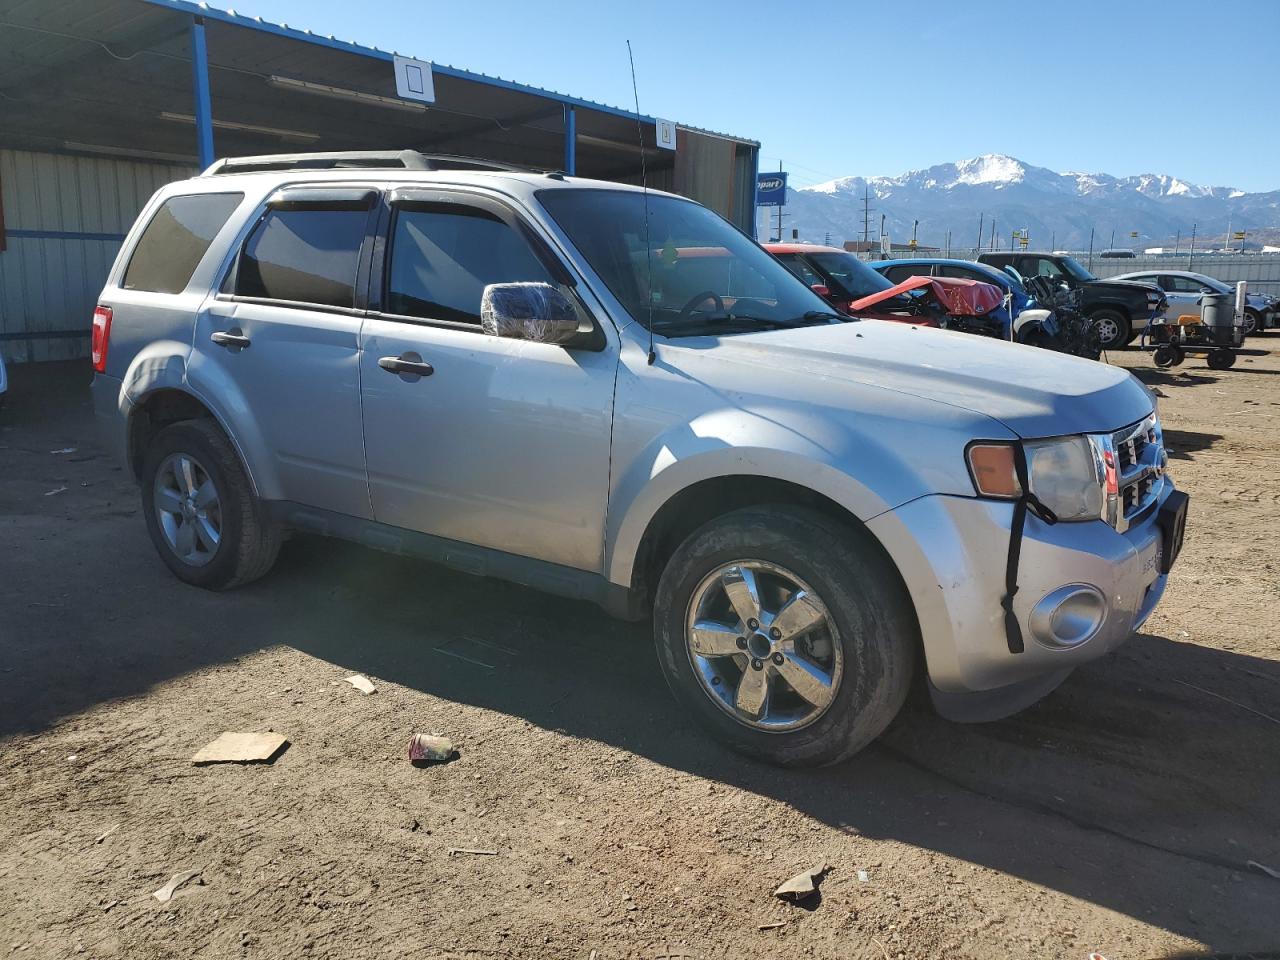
x=1066, y=474
x=1067, y=477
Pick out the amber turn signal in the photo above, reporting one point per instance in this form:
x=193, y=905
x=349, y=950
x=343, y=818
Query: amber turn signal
x=991, y=467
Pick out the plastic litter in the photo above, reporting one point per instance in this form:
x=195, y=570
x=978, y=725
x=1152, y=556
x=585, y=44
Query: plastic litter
x=165, y=893
x=424, y=748
x=802, y=886
x=63, y=450
x=55, y=491
x=362, y=684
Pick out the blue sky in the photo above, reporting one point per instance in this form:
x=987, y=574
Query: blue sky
x=879, y=88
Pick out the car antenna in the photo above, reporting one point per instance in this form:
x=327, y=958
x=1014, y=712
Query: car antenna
x=644, y=186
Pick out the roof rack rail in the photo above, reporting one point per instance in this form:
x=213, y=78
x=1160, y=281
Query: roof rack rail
x=354, y=160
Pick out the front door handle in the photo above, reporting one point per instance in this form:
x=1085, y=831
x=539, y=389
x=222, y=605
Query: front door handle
x=407, y=365
x=231, y=339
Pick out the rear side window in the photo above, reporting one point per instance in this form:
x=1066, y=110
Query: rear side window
x=305, y=253
x=176, y=239
x=444, y=255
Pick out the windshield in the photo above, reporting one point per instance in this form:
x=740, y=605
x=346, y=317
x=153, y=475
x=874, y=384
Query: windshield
x=855, y=277
x=1072, y=266
x=695, y=274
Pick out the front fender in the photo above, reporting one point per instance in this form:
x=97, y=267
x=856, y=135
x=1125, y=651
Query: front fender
x=866, y=470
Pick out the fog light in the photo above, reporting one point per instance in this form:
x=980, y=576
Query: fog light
x=1068, y=616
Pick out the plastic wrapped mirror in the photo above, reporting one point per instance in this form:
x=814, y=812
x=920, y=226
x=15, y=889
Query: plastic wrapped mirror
x=528, y=311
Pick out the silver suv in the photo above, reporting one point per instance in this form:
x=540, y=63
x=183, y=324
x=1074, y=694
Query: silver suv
x=613, y=394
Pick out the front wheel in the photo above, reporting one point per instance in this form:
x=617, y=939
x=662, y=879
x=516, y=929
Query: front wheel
x=1113, y=328
x=1252, y=323
x=1168, y=355
x=204, y=520
x=785, y=634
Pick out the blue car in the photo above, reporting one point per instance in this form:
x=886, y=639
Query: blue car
x=898, y=270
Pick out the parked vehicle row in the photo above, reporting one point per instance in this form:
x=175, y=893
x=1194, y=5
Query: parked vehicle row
x=612, y=394
x=1184, y=290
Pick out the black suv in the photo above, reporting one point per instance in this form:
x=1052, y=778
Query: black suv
x=1119, y=309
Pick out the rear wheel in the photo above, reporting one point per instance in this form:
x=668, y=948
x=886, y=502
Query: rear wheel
x=1252, y=323
x=1113, y=328
x=785, y=635
x=204, y=520
x=1221, y=359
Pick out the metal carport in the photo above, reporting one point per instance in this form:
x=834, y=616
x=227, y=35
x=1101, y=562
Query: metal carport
x=101, y=101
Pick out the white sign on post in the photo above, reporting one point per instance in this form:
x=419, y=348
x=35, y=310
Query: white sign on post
x=665, y=133
x=414, y=80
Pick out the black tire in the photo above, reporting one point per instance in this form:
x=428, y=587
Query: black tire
x=1124, y=333
x=1221, y=359
x=872, y=612
x=1167, y=355
x=249, y=540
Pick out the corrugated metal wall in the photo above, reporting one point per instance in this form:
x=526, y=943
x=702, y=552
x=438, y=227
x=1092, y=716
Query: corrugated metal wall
x=64, y=219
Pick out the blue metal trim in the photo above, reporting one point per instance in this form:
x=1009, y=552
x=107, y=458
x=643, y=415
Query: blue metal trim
x=200, y=84
x=570, y=141
x=279, y=30
x=62, y=235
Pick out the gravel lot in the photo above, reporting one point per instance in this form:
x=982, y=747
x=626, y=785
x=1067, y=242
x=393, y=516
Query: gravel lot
x=1119, y=815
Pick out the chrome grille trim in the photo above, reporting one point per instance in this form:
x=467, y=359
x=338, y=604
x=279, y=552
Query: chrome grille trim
x=1139, y=461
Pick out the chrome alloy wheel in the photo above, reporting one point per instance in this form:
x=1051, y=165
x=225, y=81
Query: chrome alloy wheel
x=763, y=645
x=1108, y=331
x=188, y=509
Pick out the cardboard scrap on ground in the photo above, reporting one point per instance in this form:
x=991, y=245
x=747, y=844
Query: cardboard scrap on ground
x=362, y=684
x=241, y=748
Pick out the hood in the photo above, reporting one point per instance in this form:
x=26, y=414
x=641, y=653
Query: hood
x=957, y=296
x=1127, y=285
x=1034, y=392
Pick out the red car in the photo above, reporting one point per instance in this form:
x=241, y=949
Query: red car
x=855, y=289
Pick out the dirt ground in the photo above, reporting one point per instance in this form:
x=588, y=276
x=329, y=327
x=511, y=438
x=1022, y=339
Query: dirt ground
x=1119, y=815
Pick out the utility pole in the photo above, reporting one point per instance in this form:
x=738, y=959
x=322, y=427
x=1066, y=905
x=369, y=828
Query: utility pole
x=1091, y=249
x=948, y=254
x=993, y=233
x=914, y=226
x=1177, y=242
x=1191, y=254
x=1053, y=241
x=981, y=216
x=778, y=239
x=866, y=218
x=1112, y=244
x=1227, y=242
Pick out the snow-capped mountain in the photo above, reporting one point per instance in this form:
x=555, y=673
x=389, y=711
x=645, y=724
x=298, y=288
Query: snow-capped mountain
x=1057, y=208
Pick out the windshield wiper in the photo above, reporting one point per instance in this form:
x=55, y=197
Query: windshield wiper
x=814, y=315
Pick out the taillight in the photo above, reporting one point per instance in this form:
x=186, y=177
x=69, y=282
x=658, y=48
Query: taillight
x=101, y=336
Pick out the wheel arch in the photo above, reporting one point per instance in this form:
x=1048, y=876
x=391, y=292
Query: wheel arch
x=705, y=500
x=158, y=408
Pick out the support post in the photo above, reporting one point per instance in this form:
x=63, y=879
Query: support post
x=200, y=88
x=570, y=141
x=755, y=193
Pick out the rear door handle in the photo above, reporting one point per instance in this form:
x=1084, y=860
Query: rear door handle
x=232, y=339
x=407, y=365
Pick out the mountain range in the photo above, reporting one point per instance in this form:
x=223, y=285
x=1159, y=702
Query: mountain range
x=1058, y=209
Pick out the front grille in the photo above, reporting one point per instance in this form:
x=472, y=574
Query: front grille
x=1140, y=466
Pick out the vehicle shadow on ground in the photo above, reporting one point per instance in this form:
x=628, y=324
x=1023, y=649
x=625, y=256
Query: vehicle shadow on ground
x=1134, y=786
x=1181, y=444
x=1155, y=377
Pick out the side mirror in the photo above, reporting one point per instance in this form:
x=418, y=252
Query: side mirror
x=821, y=289
x=528, y=311
x=1204, y=290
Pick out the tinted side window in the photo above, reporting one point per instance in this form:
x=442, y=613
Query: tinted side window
x=176, y=239
x=305, y=252
x=959, y=273
x=896, y=275
x=1182, y=285
x=801, y=269
x=444, y=255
